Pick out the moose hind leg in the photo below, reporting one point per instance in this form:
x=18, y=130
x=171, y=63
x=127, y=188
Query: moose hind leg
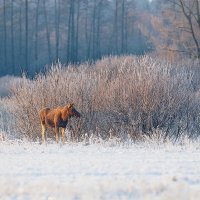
x=57, y=134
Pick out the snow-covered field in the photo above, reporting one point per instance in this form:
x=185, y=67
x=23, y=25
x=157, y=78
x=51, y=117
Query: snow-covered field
x=99, y=171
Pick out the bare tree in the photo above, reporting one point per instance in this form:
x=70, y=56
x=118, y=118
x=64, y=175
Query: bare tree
x=176, y=28
x=190, y=10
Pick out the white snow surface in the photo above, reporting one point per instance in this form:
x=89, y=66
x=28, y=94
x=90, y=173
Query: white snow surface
x=77, y=171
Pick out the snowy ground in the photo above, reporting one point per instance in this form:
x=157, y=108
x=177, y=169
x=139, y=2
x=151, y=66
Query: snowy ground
x=53, y=172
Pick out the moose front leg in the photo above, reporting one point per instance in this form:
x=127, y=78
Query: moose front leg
x=43, y=132
x=63, y=135
x=57, y=133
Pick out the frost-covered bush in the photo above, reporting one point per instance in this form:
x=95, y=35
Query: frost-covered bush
x=5, y=84
x=7, y=121
x=117, y=96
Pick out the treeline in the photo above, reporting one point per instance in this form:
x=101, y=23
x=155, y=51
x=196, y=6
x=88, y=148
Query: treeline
x=35, y=33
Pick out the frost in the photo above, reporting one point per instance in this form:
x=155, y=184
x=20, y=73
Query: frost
x=99, y=171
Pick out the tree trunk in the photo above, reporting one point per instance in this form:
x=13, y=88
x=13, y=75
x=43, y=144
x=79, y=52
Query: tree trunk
x=36, y=33
x=77, y=31
x=87, y=36
x=5, y=34
x=115, y=33
x=98, y=47
x=20, y=34
x=71, y=32
x=94, y=31
x=57, y=26
x=126, y=33
x=26, y=38
x=69, y=35
x=47, y=32
x=12, y=40
x=122, y=26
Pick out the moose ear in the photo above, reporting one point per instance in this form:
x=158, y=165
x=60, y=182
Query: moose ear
x=70, y=105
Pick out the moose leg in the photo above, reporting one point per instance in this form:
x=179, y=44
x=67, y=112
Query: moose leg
x=43, y=133
x=57, y=133
x=63, y=135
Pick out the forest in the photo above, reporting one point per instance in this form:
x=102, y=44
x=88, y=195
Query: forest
x=34, y=34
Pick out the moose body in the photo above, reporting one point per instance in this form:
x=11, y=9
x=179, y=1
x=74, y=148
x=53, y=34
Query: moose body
x=56, y=119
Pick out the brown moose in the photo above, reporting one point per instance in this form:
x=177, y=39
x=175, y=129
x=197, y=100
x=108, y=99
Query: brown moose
x=57, y=118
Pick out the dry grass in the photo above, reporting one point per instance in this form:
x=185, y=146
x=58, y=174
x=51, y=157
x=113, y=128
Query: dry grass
x=118, y=96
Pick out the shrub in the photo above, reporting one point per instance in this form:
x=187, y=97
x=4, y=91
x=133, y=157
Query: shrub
x=120, y=95
x=5, y=84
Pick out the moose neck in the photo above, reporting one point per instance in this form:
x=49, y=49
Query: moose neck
x=65, y=115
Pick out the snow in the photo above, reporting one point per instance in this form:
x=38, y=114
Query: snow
x=99, y=171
